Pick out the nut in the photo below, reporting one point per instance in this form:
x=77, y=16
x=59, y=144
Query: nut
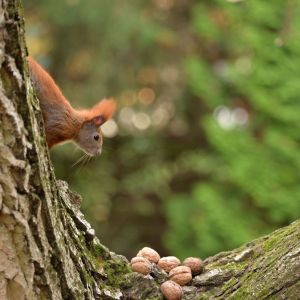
x=194, y=263
x=181, y=275
x=141, y=265
x=168, y=263
x=150, y=254
x=171, y=290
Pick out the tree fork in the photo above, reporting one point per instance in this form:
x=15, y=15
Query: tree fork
x=49, y=251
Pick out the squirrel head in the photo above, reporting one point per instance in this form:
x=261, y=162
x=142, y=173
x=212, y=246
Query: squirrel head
x=89, y=138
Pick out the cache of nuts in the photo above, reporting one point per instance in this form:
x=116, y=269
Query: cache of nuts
x=179, y=274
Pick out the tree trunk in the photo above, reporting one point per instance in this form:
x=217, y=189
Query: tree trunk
x=49, y=251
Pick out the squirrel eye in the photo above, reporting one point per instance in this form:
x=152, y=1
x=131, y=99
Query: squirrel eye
x=96, y=137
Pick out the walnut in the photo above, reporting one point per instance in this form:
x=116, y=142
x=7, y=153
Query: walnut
x=168, y=263
x=181, y=275
x=194, y=263
x=141, y=265
x=171, y=290
x=150, y=254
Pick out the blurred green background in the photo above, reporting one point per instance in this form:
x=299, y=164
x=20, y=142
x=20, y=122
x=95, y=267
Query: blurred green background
x=204, y=151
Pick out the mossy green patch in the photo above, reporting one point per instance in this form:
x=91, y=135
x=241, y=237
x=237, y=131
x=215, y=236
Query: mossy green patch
x=115, y=270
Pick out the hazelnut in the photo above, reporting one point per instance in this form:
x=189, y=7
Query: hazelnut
x=181, y=275
x=141, y=265
x=168, y=263
x=150, y=254
x=194, y=263
x=171, y=290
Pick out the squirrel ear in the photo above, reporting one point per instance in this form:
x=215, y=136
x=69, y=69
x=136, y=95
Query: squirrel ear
x=102, y=111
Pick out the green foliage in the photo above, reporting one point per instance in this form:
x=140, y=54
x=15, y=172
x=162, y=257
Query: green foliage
x=215, y=85
x=256, y=187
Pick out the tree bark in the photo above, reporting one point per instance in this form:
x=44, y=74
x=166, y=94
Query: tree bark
x=49, y=251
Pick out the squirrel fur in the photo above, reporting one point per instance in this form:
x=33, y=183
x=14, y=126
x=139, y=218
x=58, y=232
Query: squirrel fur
x=62, y=121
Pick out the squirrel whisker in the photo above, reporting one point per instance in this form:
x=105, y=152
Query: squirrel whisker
x=81, y=158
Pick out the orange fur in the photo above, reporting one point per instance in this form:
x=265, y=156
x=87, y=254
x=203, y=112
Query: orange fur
x=105, y=109
x=62, y=121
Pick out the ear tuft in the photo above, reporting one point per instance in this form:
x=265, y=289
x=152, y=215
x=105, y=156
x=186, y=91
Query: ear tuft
x=103, y=111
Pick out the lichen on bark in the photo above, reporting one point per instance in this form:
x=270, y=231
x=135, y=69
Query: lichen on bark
x=267, y=268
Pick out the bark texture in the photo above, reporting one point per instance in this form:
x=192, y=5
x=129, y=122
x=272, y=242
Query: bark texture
x=49, y=251
x=267, y=268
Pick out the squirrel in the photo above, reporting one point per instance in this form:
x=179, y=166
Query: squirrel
x=62, y=121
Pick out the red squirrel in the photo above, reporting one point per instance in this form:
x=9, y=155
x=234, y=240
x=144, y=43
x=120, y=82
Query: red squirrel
x=62, y=121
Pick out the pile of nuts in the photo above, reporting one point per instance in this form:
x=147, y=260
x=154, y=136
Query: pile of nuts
x=180, y=274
